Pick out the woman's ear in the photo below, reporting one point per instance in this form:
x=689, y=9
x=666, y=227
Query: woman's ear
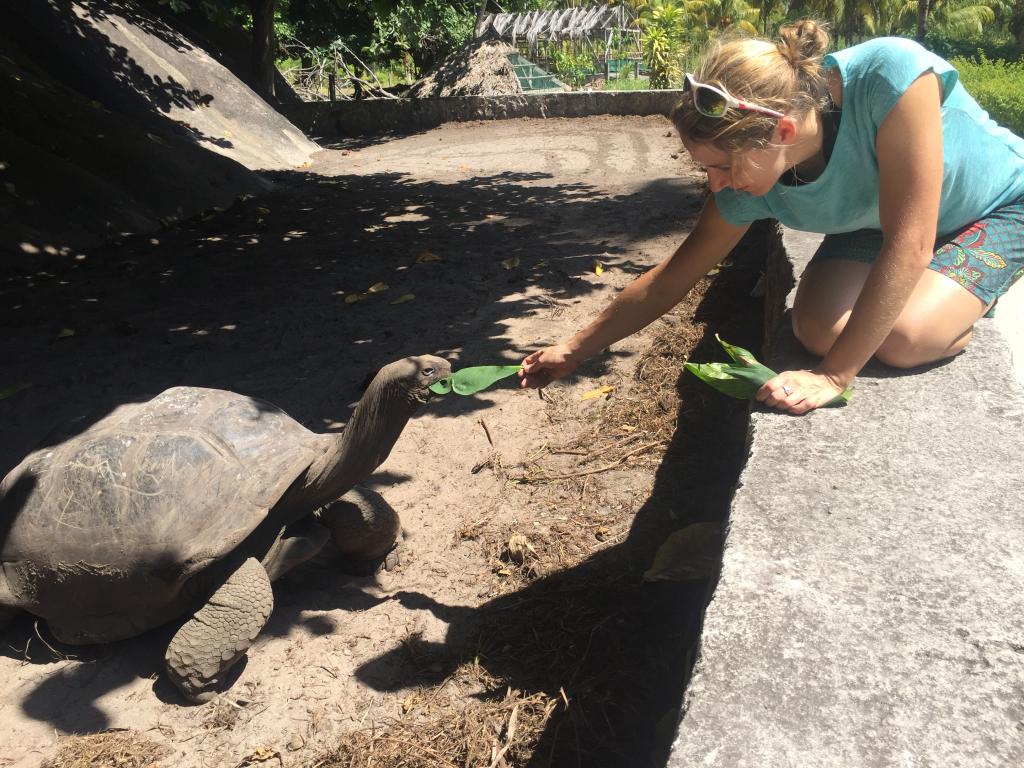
x=785, y=131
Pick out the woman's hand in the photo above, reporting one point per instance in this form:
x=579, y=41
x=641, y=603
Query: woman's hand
x=799, y=391
x=545, y=365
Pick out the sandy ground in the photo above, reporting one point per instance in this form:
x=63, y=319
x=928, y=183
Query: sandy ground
x=253, y=299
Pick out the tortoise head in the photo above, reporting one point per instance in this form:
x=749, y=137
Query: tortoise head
x=414, y=375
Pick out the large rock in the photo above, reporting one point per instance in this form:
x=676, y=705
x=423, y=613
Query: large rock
x=114, y=121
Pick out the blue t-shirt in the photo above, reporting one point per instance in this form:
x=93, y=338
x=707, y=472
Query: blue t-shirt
x=983, y=162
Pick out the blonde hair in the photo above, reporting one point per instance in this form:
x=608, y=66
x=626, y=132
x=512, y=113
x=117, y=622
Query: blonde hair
x=785, y=76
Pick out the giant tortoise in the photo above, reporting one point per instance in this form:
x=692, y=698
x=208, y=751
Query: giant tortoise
x=190, y=505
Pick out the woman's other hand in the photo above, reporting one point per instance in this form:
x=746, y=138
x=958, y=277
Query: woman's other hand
x=798, y=392
x=545, y=365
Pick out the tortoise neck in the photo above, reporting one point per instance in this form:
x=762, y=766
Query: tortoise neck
x=365, y=444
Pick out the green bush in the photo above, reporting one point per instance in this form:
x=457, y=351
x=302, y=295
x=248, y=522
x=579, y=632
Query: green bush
x=641, y=83
x=998, y=87
x=993, y=47
x=572, y=67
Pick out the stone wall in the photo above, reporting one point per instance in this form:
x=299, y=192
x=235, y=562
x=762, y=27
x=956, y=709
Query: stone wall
x=381, y=116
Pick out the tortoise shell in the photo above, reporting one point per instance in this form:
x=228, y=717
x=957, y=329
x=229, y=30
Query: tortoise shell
x=150, y=494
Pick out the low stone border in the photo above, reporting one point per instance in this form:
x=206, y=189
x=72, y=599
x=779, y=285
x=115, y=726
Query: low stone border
x=377, y=116
x=870, y=607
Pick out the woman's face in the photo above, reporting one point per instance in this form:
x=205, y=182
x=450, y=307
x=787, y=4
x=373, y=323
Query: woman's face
x=753, y=171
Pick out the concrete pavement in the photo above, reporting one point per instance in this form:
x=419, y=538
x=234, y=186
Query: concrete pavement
x=870, y=609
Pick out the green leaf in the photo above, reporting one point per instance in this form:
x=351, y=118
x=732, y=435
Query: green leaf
x=442, y=387
x=756, y=376
x=719, y=376
x=469, y=381
x=13, y=389
x=843, y=398
x=743, y=379
x=743, y=357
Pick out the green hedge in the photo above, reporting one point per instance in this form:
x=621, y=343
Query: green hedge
x=998, y=47
x=998, y=87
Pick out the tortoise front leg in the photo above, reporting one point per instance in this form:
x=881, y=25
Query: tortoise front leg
x=365, y=528
x=219, y=633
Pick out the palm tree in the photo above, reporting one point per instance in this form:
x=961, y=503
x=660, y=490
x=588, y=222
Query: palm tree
x=954, y=17
x=720, y=15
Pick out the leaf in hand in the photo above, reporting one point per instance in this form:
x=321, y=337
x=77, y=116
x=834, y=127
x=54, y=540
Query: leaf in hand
x=469, y=381
x=719, y=376
x=742, y=378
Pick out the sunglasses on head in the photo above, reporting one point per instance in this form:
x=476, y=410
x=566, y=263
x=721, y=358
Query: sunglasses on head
x=715, y=102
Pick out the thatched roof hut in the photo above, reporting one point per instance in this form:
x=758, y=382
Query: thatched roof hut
x=593, y=23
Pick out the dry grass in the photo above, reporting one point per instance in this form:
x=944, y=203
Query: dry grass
x=487, y=734
x=629, y=427
x=479, y=68
x=115, y=749
x=561, y=630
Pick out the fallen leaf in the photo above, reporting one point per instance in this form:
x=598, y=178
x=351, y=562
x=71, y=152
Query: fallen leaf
x=352, y=298
x=13, y=389
x=510, y=263
x=64, y=333
x=426, y=256
x=713, y=271
x=597, y=392
x=378, y=288
x=262, y=210
x=598, y=267
x=404, y=298
x=519, y=549
x=690, y=553
x=261, y=755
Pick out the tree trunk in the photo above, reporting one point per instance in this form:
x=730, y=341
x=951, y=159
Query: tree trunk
x=1017, y=25
x=922, y=19
x=263, y=45
x=481, y=12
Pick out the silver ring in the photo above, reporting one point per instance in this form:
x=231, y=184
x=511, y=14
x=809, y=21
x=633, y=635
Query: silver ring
x=787, y=390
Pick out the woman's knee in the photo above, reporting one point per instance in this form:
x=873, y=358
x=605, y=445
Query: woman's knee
x=816, y=334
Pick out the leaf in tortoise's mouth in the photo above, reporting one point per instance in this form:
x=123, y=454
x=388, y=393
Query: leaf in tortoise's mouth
x=469, y=381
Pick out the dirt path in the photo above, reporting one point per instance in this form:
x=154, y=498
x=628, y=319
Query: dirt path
x=253, y=299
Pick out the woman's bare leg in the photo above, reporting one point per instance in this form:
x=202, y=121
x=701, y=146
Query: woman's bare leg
x=936, y=323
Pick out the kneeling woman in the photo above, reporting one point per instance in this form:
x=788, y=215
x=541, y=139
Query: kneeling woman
x=880, y=147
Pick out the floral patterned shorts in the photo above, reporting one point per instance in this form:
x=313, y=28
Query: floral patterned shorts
x=986, y=257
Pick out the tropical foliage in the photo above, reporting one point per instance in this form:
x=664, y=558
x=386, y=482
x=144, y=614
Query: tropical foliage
x=420, y=33
x=998, y=86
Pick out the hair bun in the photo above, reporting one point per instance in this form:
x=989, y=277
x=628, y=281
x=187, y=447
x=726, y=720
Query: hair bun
x=802, y=43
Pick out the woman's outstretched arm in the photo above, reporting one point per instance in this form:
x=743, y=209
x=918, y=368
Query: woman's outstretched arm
x=643, y=301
